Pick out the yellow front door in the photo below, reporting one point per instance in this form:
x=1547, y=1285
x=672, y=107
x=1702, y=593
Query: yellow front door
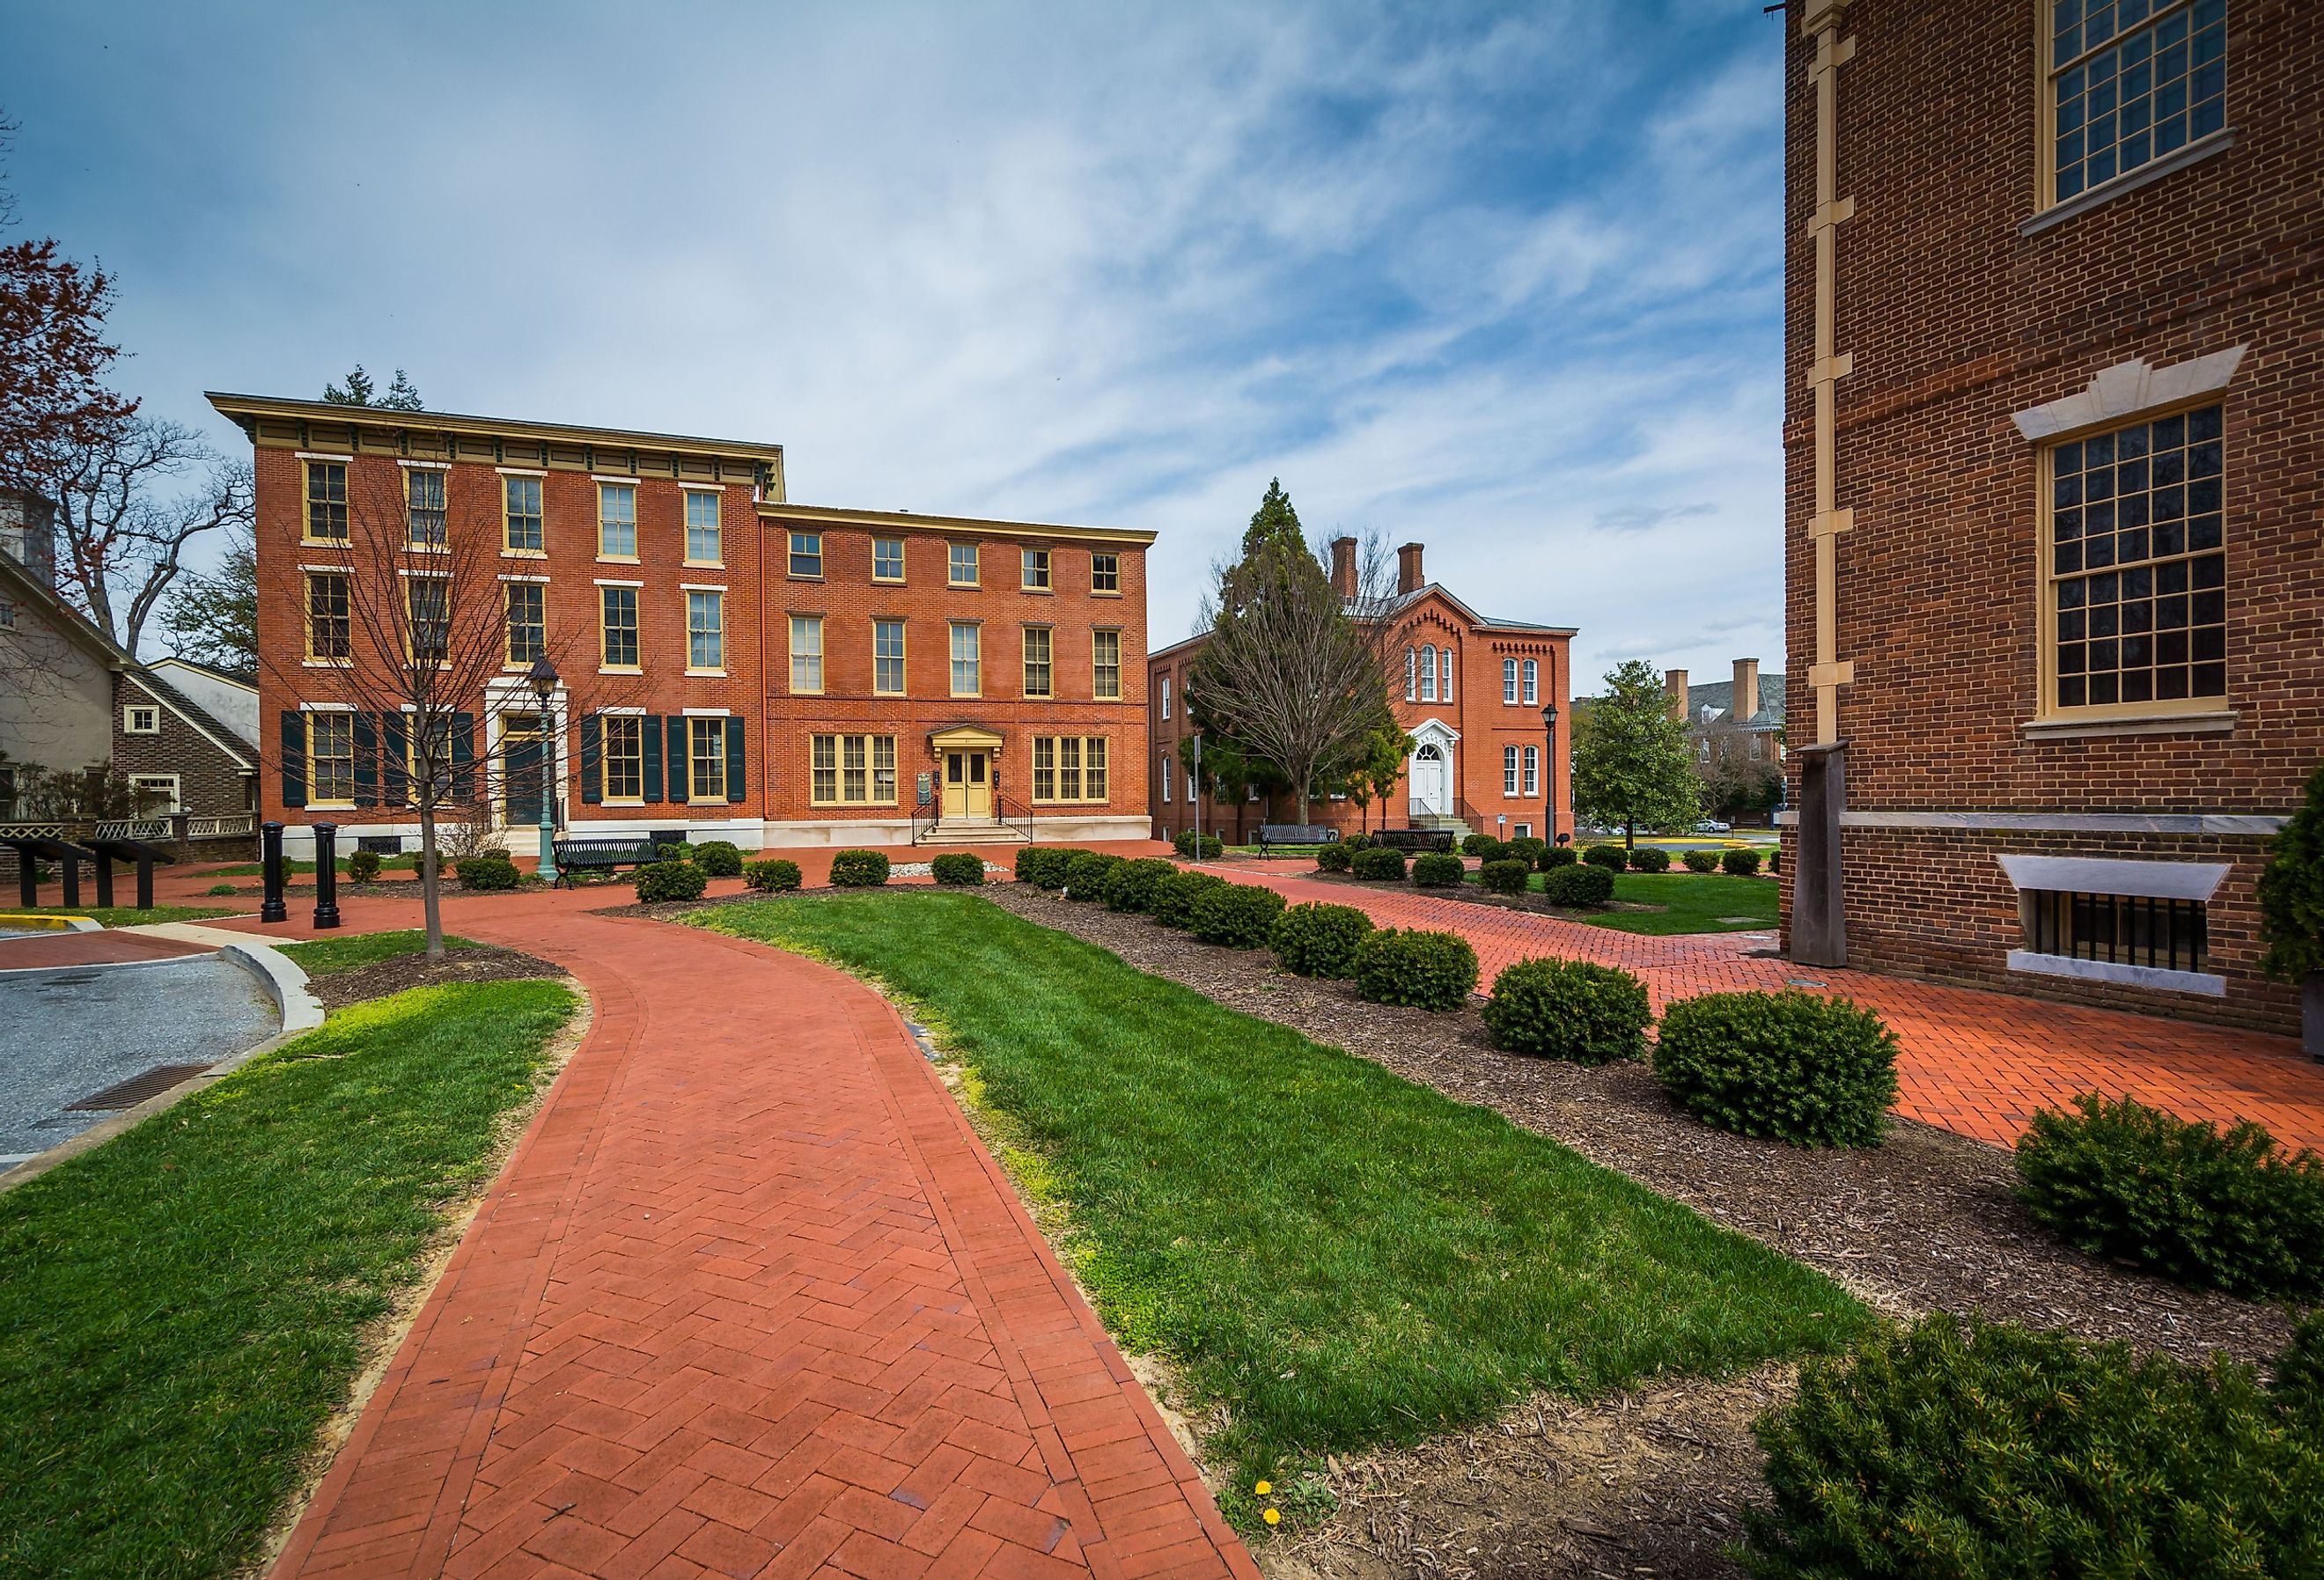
x=968, y=786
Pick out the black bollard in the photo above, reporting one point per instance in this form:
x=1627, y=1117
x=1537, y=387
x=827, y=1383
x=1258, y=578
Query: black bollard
x=270, y=863
x=327, y=877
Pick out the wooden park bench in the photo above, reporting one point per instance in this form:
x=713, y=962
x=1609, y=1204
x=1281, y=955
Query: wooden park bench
x=1296, y=833
x=601, y=855
x=1414, y=839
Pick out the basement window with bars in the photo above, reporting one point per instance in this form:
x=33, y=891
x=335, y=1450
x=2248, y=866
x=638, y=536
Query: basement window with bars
x=2118, y=929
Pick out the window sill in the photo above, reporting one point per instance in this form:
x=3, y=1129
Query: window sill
x=848, y=806
x=1098, y=593
x=703, y=564
x=323, y=542
x=617, y=560
x=1044, y=592
x=622, y=801
x=621, y=669
x=2209, y=722
x=2107, y=191
x=718, y=674
x=427, y=549
x=326, y=663
x=964, y=586
x=524, y=554
x=2150, y=976
x=330, y=807
x=801, y=575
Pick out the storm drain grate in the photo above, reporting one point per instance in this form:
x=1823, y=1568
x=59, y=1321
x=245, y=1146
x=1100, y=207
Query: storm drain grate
x=129, y=1093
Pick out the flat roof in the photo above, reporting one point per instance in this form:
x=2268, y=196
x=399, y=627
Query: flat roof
x=838, y=516
x=260, y=406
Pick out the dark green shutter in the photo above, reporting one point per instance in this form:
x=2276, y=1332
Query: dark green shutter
x=593, y=760
x=464, y=758
x=294, y=758
x=735, y=767
x=650, y=748
x=394, y=752
x=366, y=736
x=676, y=754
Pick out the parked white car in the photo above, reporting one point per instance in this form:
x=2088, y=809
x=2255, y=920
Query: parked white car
x=1712, y=826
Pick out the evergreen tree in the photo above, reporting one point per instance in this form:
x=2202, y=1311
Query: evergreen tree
x=2292, y=891
x=401, y=396
x=359, y=391
x=1630, y=760
x=355, y=392
x=1275, y=522
x=213, y=619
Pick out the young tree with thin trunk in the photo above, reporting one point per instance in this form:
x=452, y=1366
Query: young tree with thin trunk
x=1630, y=759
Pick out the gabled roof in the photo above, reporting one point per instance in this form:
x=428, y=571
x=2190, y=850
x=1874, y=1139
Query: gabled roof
x=1481, y=621
x=244, y=754
x=1719, y=697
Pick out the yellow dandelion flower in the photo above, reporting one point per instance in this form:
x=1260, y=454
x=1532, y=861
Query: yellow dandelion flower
x=1264, y=1488
x=1272, y=1518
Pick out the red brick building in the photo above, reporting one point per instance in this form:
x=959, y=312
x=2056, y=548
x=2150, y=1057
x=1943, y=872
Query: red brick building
x=2055, y=451
x=730, y=666
x=1487, y=701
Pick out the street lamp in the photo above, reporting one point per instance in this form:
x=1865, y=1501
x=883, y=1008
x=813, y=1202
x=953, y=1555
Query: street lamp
x=1549, y=769
x=543, y=677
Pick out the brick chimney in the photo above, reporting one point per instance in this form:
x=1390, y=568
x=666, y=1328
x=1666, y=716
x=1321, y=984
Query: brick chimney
x=1674, y=682
x=1745, y=702
x=1408, y=576
x=1343, y=567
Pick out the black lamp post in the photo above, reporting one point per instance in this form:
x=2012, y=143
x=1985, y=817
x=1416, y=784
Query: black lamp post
x=543, y=677
x=1549, y=769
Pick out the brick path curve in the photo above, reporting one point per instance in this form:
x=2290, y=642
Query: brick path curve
x=749, y=1299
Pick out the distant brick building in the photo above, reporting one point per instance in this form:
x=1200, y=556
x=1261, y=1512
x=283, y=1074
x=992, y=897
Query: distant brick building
x=1486, y=701
x=2055, y=453
x=1734, y=731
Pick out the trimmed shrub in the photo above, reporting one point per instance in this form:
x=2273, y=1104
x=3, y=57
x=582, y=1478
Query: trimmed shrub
x=1559, y=856
x=957, y=866
x=1569, y=1010
x=1790, y=1066
x=1319, y=940
x=719, y=858
x=1355, y=842
x=1649, y=858
x=1335, y=858
x=362, y=866
x=1483, y=846
x=1429, y=971
x=220, y=888
x=858, y=869
x=663, y=882
x=1085, y=871
x=2299, y=1384
x=1576, y=886
x=1042, y=866
x=676, y=851
x=772, y=877
x=1184, y=843
x=1175, y=896
x=1612, y=857
x=1529, y=849
x=487, y=873
x=1130, y=886
x=1700, y=861
x=1235, y=916
x=1439, y=870
x=1503, y=877
x=1774, y=860
x=2229, y=1209
x=1986, y=1449
x=1379, y=863
x=1740, y=863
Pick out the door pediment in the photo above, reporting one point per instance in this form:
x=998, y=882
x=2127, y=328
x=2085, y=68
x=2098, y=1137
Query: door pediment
x=965, y=739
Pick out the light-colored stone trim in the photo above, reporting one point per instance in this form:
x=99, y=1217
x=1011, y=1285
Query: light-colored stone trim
x=2150, y=977
x=2107, y=191
x=2219, y=723
x=2126, y=390
x=2223, y=823
x=2087, y=874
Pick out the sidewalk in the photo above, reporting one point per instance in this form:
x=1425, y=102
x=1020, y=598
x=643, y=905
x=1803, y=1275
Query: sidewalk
x=749, y=1299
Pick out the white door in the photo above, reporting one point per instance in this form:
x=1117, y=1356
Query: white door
x=1428, y=781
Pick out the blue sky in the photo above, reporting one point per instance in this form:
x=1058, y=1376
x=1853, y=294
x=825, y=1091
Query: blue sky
x=1505, y=282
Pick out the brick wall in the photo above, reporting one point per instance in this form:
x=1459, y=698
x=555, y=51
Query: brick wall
x=209, y=779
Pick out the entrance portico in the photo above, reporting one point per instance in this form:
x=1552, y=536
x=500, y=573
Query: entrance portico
x=1429, y=773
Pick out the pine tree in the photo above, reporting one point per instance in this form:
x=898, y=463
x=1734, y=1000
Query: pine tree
x=355, y=392
x=1275, y=522
x=401, y=396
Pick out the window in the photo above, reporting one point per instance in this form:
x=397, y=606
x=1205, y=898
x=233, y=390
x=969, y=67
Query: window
x=1038, y=670
x=141, y=720
x=528, y=621
x=806, y=652
x=1444, y=673
x=1758, y=745
x=520, y=518
x=1411, y=675
x=617, y=520
x=960, y=565
x=1509, y=770
x=706, y=753
x=1532, y=682
x=1037, y=570
x=705, y=538
x=1532, y=771
x=330, y=637
x=327, y=502
x=1105, y=573
x=888, y=657
x=423, y=507
x=1508, y=681
x=2121, y=929
x=1428, y=674
x=7, y=792
x=1165, y=776
x=1105, y=665
x=625, y=757
x=2132, y=80
x=1190, y=784
x=807, y=554
x=153, y=794
x=2140, y=580
x=7, y=615
x=330, y=758
x=706, y=629
x=617, y=610
x=967, y=659
x=886, y=559
x=852, y=770
x=1525, y=831
x=1165, y=697
x=427, y=599
x=1071, y=768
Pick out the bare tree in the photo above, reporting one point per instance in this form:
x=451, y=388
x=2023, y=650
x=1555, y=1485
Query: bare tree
x=1296, y=668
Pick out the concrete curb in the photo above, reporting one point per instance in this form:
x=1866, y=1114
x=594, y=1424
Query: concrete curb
x=284, y=982
x=49, y=924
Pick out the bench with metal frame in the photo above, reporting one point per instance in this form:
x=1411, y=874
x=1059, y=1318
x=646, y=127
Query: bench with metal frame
x=600, y=854
x=1309, y=834
x=140, y=854
x=1414, y=839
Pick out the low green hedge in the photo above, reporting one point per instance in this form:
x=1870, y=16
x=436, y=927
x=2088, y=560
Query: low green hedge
x=1612, y=857
x=1439, y=870
x=1700, y=861
x=772, y=877
x=1985, y=1450
x=1377, y=862
x=957, y=866
x=1185, y=844
x=2229, y=1209
x=660, y=883
x=1569, y=1010
x=1483, y=846
x=1426, y=970
x=1319, y=940
x=1335, y=858
x=1503, y=877
x=1741, y=863
x=1130, y=886
x=1529, y=849
x=362, y=866
x=858, y=869
x=1650, y=858
x=1174, y=896
x=720, y=858
x=1043, y=865
x=1790, y=1066
x=1235, y=916
x=1559, y=856
x=1576, y=886
x=675, y=850
x=1085, y=874
x=486, y=873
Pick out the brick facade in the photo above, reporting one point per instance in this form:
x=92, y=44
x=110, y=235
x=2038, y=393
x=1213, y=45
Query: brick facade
x=216, y=772
x=1959, y=304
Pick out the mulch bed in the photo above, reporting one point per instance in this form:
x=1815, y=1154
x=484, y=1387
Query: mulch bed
x=403, y=971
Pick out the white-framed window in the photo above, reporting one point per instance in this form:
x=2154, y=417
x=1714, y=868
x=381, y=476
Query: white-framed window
x=141, y=718
x=807, y=654
x=888, y=657
x=705, y=536
x=1510, y=680
x=1411, y=675
x=1165, y=698
x=155, y=793
x=706, y=629
x=1532, y=771
x=888, y=559
x=967, y=658
x=1524, y=831
x=1532, y=682
x=1509, y=770
x=617, y=520
x=1444, y=674
x=1166, y=777
x=1190, y=784
x=1427, y=673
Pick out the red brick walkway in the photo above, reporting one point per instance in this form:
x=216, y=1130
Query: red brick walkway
x=1978, y=1063
x=750, y=1300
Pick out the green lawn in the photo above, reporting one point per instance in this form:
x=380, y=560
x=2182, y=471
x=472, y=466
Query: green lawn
x=1692, y=903
x=179, y=1308
x=124, y=915
x=353, y=952
x=1340, y=1256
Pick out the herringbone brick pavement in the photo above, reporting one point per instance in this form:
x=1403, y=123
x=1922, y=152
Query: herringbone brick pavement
x=750, y=1300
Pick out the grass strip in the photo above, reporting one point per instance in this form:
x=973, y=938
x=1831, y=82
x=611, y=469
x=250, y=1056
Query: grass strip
x=181, y=1307
x=127, y=915
x=353, y=951
x=1337, y=1256
x=1692, y=902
